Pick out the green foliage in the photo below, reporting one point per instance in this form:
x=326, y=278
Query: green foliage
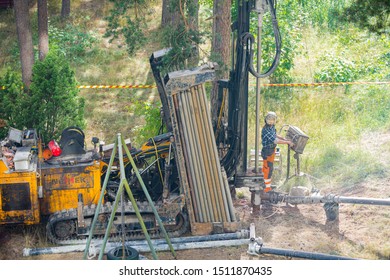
x=126, y=20
x=290, y=26
x=150, y=113
x=73, y=42
x=336, y=69
x=324, y=13
x=183, y=44
x=370, y=14
x=54, y=101
x=182, y=37
x=12, y=100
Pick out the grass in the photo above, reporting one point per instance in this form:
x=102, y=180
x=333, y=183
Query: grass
x=335, y=118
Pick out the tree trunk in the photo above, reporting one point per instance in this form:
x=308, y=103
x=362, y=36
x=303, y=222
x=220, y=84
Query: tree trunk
x=193, y=21
x=170, y=15
x=65, y=10
x=43, y=36
x=221, y=49
x=24, y=39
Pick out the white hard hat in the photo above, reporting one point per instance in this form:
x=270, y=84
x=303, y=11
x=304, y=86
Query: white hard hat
x=270, y=118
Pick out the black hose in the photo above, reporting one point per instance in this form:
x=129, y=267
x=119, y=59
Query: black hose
x=301, y=254
x=278, y=45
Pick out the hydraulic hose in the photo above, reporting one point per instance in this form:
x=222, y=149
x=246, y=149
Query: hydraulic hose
x=278, y=45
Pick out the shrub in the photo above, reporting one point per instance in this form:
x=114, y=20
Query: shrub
x=336, y=69
x=54, y=99
x=74, y=42
x=151, y=114
x=12, y=99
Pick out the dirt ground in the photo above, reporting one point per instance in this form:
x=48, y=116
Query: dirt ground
x=363, y=231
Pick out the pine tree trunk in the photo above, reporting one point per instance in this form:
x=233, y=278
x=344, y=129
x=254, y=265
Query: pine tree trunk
x=43, y=36
x=65, y=9
x=24, y=39
x=170, y=14
x=193, y=20
x=221, y=48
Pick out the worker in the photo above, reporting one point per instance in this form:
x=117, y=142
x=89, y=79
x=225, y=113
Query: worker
x=269, y=140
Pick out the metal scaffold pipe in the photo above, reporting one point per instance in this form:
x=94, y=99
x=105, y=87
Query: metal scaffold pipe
x=211, y=172
x=330, y=198
x=162, y=243
x=187, y=146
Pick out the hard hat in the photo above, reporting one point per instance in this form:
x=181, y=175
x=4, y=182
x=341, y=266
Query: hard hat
x=47, y=154
x=270, y=118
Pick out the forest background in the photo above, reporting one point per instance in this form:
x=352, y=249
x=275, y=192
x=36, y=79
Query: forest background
x=110, y=42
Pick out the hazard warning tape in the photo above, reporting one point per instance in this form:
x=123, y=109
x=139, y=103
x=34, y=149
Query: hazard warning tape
x=262, y=85
x=323, y=84
x=118, y=86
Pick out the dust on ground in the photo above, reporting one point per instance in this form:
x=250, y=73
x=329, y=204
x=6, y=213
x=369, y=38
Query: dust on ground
x=363, y=231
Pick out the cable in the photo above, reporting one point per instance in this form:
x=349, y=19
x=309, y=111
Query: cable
x=278, y=44
x=158, y=162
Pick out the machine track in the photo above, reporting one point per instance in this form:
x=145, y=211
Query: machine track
x=63, y=229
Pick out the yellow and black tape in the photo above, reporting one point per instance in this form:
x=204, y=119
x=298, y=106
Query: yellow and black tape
x=117, y=86
x=323, y=84
x=262, y=85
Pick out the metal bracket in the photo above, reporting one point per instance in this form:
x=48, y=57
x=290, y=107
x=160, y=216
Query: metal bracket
x=255, y=244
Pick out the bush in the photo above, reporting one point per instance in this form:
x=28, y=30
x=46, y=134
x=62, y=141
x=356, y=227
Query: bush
x=336, y=69
x=73, y=41
x=54, y=99
x=12, y=100
x=151, y=114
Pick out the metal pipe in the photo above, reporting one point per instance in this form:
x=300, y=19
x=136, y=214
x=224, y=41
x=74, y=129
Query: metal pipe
x=198, y=135
x=129, y=193
x=227, y=205
x=300, y=254
x=156, y=242
x=205, y=146
x=197, y=245
x=156, y=215
x=362, y=200
x=181, y=148
x=95, y=218
x=210, y=145
x=184, y=180
x=256, y=247
x=258, y=84
x=229, y=197
x=112, y=216
x=194, y=161
x=336, y=199
x=187, y=149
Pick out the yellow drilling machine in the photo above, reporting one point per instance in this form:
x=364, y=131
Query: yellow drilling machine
x=189, y=172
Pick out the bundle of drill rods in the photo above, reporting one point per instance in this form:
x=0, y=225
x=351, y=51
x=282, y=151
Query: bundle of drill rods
x=179, y=243
x=208, y=184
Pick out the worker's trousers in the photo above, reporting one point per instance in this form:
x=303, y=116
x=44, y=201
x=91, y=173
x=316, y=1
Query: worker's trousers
x=268, y=167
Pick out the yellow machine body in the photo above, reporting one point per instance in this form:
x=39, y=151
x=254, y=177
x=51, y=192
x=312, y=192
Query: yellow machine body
x=19, y=201
x=26, y=195
x=63, y=185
